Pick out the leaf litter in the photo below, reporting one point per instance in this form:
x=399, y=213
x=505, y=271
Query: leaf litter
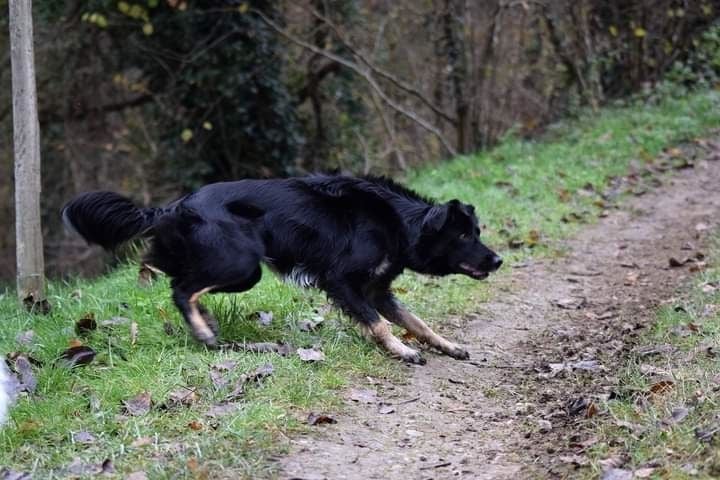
x=137, y=406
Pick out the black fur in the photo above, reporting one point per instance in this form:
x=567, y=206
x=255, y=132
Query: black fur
x=350, y=237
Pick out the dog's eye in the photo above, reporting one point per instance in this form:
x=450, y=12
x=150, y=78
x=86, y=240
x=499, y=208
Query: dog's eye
x=464, y=236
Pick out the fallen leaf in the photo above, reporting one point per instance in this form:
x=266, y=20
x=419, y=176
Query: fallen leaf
x=614, y=461
x=532, y=238
x=363, y=395
x=631, y=279
x=707, y=433
x=219, y=380
x=319, y=419
x=138, y=405
x=310, y=355
x=580, y=460
x=515, y=243
x=573, y=217
x=141, y=442
x=408, y=336
x=312, y=324
x=633, y=427
x=195, y=425
x=86, y=324
x=702, y=227
x=260, y=373
x=25, y=338
x=674, y=262
x=570, y=303
x=644, y=472
x=544, y=426
x=198, y=472
x=8, y=474
x=662, y=387
x=578, y=406
x=648, y=350
x=264, y=318
x=77, y=356
x=592, y=410
x=710, y=287
x=698, y=266
x=107, y=466
x=282, y=349
x=181, y=397
x=385, y=409
x=42, y=306
x=27, y=379
x=225, y=366
x=678, y=415
x=222, y=409
x=83, y=437
x=646, y=369
x=617, y=474
x=78, y=468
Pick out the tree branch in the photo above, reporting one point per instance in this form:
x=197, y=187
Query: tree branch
x=367, y=76
x=385, y=74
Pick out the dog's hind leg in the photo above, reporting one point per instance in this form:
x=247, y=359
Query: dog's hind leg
x=186, y=295
x=202, y=325
x=393, y=310
x=372, y=324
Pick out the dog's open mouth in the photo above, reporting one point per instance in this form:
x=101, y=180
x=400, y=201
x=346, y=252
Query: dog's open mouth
x=473, y=272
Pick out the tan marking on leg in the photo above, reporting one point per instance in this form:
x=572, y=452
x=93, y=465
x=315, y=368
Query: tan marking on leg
x=381, y=333
x=200, y=327
x=153, y=268
x=425, y=334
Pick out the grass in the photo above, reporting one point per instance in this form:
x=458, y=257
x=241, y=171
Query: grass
x=640, y=425
x=522, y=190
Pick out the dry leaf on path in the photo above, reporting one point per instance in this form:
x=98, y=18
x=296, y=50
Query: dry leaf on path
x=319, y=419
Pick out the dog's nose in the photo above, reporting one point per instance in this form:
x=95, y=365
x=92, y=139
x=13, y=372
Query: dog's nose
x=496, y=262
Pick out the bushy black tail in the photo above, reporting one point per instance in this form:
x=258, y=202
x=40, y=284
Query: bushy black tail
x=107, y=219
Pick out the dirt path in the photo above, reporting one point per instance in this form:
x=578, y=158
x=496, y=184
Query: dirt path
x=503, y=413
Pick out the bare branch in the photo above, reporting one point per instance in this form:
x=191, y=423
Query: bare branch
x=385, y=74
x=367, y=76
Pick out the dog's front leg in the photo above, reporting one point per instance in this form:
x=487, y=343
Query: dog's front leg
x=394, y=311
x=373, y=325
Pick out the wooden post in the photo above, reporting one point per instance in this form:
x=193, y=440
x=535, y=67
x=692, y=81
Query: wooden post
x=28, y=232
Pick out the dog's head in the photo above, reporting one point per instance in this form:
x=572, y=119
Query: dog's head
x=450, y=243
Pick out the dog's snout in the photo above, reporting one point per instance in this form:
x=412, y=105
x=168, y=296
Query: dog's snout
x=496, y=261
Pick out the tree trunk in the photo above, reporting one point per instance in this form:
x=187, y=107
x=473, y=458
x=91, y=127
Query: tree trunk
x=28, y=232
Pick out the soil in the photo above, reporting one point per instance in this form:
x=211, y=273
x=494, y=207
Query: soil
x=507, y=412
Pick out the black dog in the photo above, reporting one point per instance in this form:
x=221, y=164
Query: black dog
x=350, y=237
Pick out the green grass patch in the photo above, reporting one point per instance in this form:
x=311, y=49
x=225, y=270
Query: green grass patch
x=666, y=415
x=522, y=190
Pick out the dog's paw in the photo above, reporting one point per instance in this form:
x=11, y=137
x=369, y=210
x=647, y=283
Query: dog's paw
x=206, y=337
x=457, y=352
x=413, y=356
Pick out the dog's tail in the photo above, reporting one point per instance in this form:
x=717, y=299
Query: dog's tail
x=108, y=219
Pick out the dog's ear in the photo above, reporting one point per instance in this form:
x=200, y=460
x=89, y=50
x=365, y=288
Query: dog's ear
x=435, y=218
x=458, y=210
